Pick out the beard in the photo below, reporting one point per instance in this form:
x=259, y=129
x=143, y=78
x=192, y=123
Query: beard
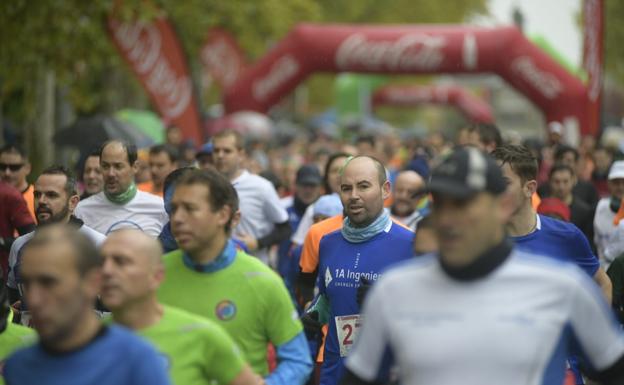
x=53, y=218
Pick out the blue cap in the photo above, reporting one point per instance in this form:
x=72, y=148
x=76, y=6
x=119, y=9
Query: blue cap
x=328, y=205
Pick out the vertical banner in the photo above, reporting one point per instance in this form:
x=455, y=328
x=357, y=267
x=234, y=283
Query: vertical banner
x=222, y=58
x=593, y=57
x=155, y=55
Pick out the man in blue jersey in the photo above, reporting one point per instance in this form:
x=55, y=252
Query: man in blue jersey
x=61, y=276
x=480, y=311
x=537, y=233
x=352, y=258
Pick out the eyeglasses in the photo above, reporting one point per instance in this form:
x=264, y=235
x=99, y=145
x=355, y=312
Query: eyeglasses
x=13, y=167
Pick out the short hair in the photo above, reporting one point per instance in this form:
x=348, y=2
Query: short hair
x=175, y=175
x=560, y=167
x=331, y=160
x=381, y=170
x=168, y=149
x=87, y=257
x=14, y=149
x=238, y=138
x=222, y=193
x=564, y=149
x=520, y=159
x=368, y=139
x=71, y=186
x=488, y=132
x=129, y=148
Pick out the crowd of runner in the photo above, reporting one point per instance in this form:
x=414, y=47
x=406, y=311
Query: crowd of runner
x=315, y=260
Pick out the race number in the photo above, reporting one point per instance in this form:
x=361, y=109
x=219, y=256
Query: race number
x=348, y=328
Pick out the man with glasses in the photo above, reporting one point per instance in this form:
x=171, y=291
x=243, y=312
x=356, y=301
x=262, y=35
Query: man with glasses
x=14, y=168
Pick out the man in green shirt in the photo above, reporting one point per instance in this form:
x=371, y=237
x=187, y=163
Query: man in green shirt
x=12, y=336
x=197, y=350
x=209, y=277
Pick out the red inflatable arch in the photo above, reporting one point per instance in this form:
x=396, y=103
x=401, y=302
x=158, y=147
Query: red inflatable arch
x=411, y=49
x=470, y=105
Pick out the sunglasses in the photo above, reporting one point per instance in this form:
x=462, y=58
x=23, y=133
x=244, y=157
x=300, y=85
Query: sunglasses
x=13, y=167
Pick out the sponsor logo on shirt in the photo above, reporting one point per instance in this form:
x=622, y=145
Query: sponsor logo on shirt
x=225, y=310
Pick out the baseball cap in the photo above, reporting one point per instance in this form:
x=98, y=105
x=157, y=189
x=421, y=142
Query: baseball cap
x=617, y=170
x=205, y=149
x=466, y=172
x=327, y=205
x=549, y=206
x=308, y=174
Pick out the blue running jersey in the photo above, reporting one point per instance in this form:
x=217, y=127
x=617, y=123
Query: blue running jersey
x=341, y=267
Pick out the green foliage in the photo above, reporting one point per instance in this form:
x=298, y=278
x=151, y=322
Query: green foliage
x=614, y=35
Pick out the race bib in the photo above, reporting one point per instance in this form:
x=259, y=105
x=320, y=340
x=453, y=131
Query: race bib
x=348, y=328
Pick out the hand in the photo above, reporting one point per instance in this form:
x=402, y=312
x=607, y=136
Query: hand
x=311, y=325
x=249, y=241
x=362, y=290
x=17, y=314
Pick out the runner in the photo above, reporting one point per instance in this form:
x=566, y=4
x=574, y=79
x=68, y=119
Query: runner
x=12, y=336
x=604, y=226
x=408, y=207
x=481, y=312
x=210, y=278
x=163, y=159
x=264, y=222
x=352, y=259
x=121, y=205
x=92, y=175
x=14, y=168
x=14, y=218
x=62, y=276
x=55, y=197
x=198, y=351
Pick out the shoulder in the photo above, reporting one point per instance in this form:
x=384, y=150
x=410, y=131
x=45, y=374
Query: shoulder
x=407, y=271
x=559, y=228
x=188, y=322
x=94, y=200
x=92, y=234
x=399, y=231
x=21, y=241
x=603, y=205
x=172, y=257
x=254, y=271
x=131, y=343
x=545, y=269
x=147, y=198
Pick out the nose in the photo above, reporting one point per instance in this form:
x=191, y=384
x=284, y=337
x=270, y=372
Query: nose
x=107, y=268
x=35, y=297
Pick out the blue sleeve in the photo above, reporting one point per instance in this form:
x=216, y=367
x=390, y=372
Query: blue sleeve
x=294, y=363
x=151, y=368
x=583, y=255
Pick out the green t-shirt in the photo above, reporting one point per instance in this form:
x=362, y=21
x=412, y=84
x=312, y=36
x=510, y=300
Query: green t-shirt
x=198, y=351
x=12, y=338
x=246, y=298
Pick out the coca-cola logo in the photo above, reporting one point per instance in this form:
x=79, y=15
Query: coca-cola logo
x=546, y=83
x=411, y=52
x=593, y=62
x=222, y=60
x=281, y=72
x=142, y=45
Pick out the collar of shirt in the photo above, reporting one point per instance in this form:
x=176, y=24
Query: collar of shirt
x=482, y=266
x=222, y=261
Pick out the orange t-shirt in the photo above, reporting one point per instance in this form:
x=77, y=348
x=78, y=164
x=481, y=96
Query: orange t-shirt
x=149, y=188
x=310, y=250
x=535, y=201
x=29, y=197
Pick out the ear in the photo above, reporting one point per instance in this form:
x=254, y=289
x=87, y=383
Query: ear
x=27, y=167
x=385, y=190
x=92, y=282
x=223, y=215
x=159, y=275
x=135, y=167
x=73, y=202
x=530, y=187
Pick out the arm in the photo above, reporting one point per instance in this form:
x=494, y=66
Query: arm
x=604, y=282
x=597, y=332
x=247, y=377
x=280, y=232
x=295, y=363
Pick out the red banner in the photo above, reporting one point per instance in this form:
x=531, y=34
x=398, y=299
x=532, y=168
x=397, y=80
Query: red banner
x=593, y=55
x=409, y=49
x=156, y=57
x=222, y=58
x=473, y=107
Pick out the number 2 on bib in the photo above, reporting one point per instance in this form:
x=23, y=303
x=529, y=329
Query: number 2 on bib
x=347, y=328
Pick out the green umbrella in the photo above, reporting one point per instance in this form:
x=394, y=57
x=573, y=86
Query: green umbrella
x=146, y=121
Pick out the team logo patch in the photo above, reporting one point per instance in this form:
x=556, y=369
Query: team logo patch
x=225, y=310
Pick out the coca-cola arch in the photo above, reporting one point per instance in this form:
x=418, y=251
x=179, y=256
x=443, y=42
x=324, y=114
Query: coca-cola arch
x=410, y=49
x=474, y=108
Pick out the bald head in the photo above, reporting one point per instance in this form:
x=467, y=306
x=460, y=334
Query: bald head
x=366, y=161
x=133, y=268
x=406, y=185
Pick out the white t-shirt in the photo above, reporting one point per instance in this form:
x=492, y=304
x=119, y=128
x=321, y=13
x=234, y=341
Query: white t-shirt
x=16, y=250
x=145, y=212
x=509, y=327
x=604, y=229
x=260, y=206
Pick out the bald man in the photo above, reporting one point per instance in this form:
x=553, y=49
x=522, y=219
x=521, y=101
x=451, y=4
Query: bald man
x=353, y=258
x=198, y=350
x=408, y=205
